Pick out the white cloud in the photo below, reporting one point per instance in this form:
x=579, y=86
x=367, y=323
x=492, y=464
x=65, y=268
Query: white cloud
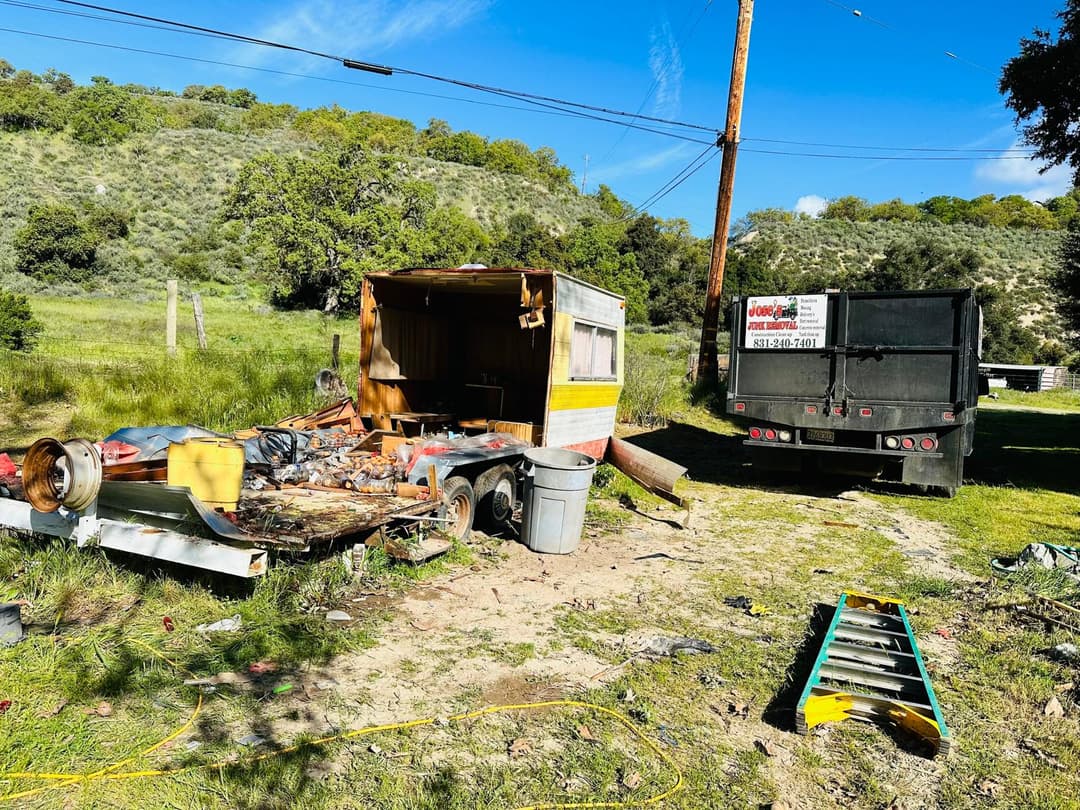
x=811, y=204
x=1023, y=177
x=358, y=30
x=666, y=65
x=650, y=161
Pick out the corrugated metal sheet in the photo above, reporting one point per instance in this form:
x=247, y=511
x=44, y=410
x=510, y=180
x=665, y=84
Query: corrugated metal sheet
x=582, y=300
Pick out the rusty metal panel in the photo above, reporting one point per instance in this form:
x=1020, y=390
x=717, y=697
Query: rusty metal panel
x=654, y=473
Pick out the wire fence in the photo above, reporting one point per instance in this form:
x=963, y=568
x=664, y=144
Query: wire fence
x=1072, y=382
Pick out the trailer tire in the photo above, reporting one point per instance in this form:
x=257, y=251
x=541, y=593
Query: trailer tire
x=495, y=490
x=459, y=506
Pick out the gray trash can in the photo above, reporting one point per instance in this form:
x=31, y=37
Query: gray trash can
x=556, y=491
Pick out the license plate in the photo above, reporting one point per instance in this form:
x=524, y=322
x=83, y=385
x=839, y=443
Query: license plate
x=815, y=435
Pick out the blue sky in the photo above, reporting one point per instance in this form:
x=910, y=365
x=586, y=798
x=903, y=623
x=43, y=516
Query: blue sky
x=818, y=73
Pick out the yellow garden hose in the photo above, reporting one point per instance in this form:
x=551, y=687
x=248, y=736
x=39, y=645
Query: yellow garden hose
x=61, y=780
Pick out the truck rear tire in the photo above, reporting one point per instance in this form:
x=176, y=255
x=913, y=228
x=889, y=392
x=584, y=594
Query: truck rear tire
x=458, y=507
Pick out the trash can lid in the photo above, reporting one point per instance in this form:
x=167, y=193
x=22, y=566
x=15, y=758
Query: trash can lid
x=558, y=459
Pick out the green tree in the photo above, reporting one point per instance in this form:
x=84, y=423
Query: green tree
x=893, y=211
x=610, y=204
x=924, y=264
x=55, y=244
x=25, y=104
x=1040, y=86
x=103, y=113
x=242, y=97
x=524, y=242
x=594, y=257
x=320, y=221
x=18, y=329
x=261, y=117
x=1005, y=339
x=7, y=70
x=1065, y=281
x=851, y=208
x=59, y=242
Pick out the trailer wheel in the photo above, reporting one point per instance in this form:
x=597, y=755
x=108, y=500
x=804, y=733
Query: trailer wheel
x=495, y=501
x=459, y=507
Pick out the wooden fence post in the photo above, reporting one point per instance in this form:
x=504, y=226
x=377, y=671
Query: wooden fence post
x=200, y=329
x=170, y=316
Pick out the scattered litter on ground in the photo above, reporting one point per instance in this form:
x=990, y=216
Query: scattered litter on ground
x=4, y=705
x=740, y=602
x=665, y=737
x=585, y=733
x=1065, y=652
x=661, y=646
x=262, y=667
x=338, y=616
x=1053, y=708
x=251, y=741
x=167, y=623
x=1042, y=555
x=103, y=709
x=631, y=781
x=944, y=632
x=663, y=555
x=519, y=748
x=223, y=626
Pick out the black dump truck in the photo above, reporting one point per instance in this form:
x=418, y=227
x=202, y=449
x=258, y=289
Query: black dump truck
x=862, y=383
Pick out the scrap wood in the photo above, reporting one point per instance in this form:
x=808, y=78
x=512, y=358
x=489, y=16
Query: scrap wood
x=340, y=414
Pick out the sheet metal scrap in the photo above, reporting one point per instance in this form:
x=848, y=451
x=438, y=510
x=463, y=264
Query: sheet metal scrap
x=869, y=668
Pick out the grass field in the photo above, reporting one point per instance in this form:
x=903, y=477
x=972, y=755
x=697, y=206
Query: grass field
x=100, y=679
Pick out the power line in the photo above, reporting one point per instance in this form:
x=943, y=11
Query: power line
x=685, y=174
x=112, y=46
x=889, y=148
x=885, y=157
x=389, y=69
x=950, y=54
x=83, y=15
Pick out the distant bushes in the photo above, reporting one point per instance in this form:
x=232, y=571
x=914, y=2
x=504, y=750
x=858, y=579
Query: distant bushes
x=1011, y=211
x=59, y=242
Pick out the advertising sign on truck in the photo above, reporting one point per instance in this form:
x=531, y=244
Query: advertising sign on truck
x=786, y=321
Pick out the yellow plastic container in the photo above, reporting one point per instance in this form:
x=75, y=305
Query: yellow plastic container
x=213, y=469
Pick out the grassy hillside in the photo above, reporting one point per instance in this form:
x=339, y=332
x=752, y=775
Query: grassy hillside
x=173, y=181
x=1018, y=258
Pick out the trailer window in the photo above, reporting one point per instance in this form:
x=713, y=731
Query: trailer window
x=592, y=353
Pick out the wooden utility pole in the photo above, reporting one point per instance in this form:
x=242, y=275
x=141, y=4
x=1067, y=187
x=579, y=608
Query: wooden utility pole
x=707, y=361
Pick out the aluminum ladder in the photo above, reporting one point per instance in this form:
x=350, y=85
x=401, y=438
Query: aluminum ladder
x=869, y=668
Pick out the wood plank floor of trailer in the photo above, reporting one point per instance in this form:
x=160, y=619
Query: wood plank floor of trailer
x=302, y=518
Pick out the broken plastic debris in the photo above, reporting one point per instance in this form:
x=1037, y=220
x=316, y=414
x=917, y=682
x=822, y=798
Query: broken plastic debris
x=662, y=645
x=338, y=616
x=251, y=740
x=223, y=626
x=1065, y=652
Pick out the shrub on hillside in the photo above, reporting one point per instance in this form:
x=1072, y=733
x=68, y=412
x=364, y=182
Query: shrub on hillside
x=59, y=242
x=18, y=329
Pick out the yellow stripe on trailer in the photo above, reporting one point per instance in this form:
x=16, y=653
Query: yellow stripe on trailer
x=574, y=396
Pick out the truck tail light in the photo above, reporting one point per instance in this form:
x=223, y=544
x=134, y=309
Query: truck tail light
x=948, y=416
x=866, y=411
x=928, y=443
x=908, y=443
x=892, y=442
x=755, y=433
x=770, y=434
x=838, y=410
x=740, y=406
x=811, y=409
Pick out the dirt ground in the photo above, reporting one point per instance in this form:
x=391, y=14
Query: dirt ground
x=498, y=632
